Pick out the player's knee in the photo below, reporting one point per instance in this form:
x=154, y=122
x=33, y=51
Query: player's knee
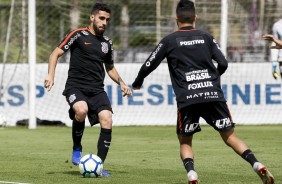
x=80, y=114
x=106, y=122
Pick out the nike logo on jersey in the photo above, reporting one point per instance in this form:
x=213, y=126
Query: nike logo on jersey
x=87, y=43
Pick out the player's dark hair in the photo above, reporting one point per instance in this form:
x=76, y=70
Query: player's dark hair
x=186, y=11
x=100, y=6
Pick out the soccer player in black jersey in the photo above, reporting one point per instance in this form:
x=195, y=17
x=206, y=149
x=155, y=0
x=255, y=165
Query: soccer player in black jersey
x=84, y=90
x=196, y=82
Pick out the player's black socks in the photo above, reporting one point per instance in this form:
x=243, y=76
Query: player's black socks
x=104, y=143
x=249, y=157
x=77, y=133
x=188, y=164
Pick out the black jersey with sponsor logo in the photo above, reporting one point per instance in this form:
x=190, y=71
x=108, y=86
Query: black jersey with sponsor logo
x=88, y=55
x=194, y=76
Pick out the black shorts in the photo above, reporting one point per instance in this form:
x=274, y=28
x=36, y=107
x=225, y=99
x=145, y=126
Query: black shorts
x=215, y=114
x=96, y=103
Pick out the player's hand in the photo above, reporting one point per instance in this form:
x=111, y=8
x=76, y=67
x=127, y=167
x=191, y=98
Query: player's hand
x=126, y=91
x=278, y=43
x=48, y=83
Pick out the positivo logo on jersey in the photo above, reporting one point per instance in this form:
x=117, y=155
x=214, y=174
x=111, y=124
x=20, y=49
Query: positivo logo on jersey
x=192, y=42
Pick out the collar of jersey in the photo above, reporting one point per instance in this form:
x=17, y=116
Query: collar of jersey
x=187, y=28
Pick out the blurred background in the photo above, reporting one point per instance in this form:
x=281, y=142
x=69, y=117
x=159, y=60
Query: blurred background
x=136, y=26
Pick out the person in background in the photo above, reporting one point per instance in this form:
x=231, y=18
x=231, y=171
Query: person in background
x=276, y=52
x=196, y=82
x=84, y=88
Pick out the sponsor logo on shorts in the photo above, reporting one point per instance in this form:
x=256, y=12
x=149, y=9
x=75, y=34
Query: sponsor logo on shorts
x=223, y=123
x=72, y=98
x=191, y=127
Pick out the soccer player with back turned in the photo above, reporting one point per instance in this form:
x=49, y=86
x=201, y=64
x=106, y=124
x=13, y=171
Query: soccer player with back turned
x=196, y=83
x=84, y=90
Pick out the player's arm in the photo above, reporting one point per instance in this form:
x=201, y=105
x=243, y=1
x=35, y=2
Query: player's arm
x=49, y=81
x=114, y=75
x=150, y=64
x=218, y=56
x=278, y=43
x=63, y=47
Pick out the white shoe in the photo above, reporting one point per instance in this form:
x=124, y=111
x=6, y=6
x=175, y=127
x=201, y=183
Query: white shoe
x=263, y=173
x=192, y=177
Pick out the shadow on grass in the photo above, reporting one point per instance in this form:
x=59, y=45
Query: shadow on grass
x=66, y=172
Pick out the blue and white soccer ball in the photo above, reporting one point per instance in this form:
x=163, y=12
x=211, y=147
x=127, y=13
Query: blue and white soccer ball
x=90, y=166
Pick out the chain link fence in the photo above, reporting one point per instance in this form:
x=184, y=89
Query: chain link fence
x=136, y=26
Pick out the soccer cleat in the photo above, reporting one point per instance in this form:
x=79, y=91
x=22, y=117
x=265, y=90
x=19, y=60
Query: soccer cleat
x=105, y=173
x=76, y=156
x=276, y=74
x=192, y=177
x=263, y=173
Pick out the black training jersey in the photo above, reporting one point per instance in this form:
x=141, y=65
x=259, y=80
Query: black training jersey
x=88, y=55
x=189, y=52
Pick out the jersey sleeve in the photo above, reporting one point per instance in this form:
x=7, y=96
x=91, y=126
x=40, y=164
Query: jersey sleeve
x=151, y=63
x=110, y=55
x=218, y=56
x=69, y=40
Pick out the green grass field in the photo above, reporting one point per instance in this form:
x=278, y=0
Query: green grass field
x=139, y=155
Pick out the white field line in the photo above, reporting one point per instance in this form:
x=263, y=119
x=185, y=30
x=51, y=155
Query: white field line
x=10, y=182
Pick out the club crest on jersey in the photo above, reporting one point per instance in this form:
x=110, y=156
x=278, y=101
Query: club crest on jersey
x=105, y=47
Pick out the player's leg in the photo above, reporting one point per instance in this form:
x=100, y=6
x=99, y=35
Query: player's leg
x=80, y=110
x=104, y=142
x=105, y=138
x=77, y=112
x=220, y=118
x=230, y=138
x=101, y=107
x=187, y=125
x=187, y=156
